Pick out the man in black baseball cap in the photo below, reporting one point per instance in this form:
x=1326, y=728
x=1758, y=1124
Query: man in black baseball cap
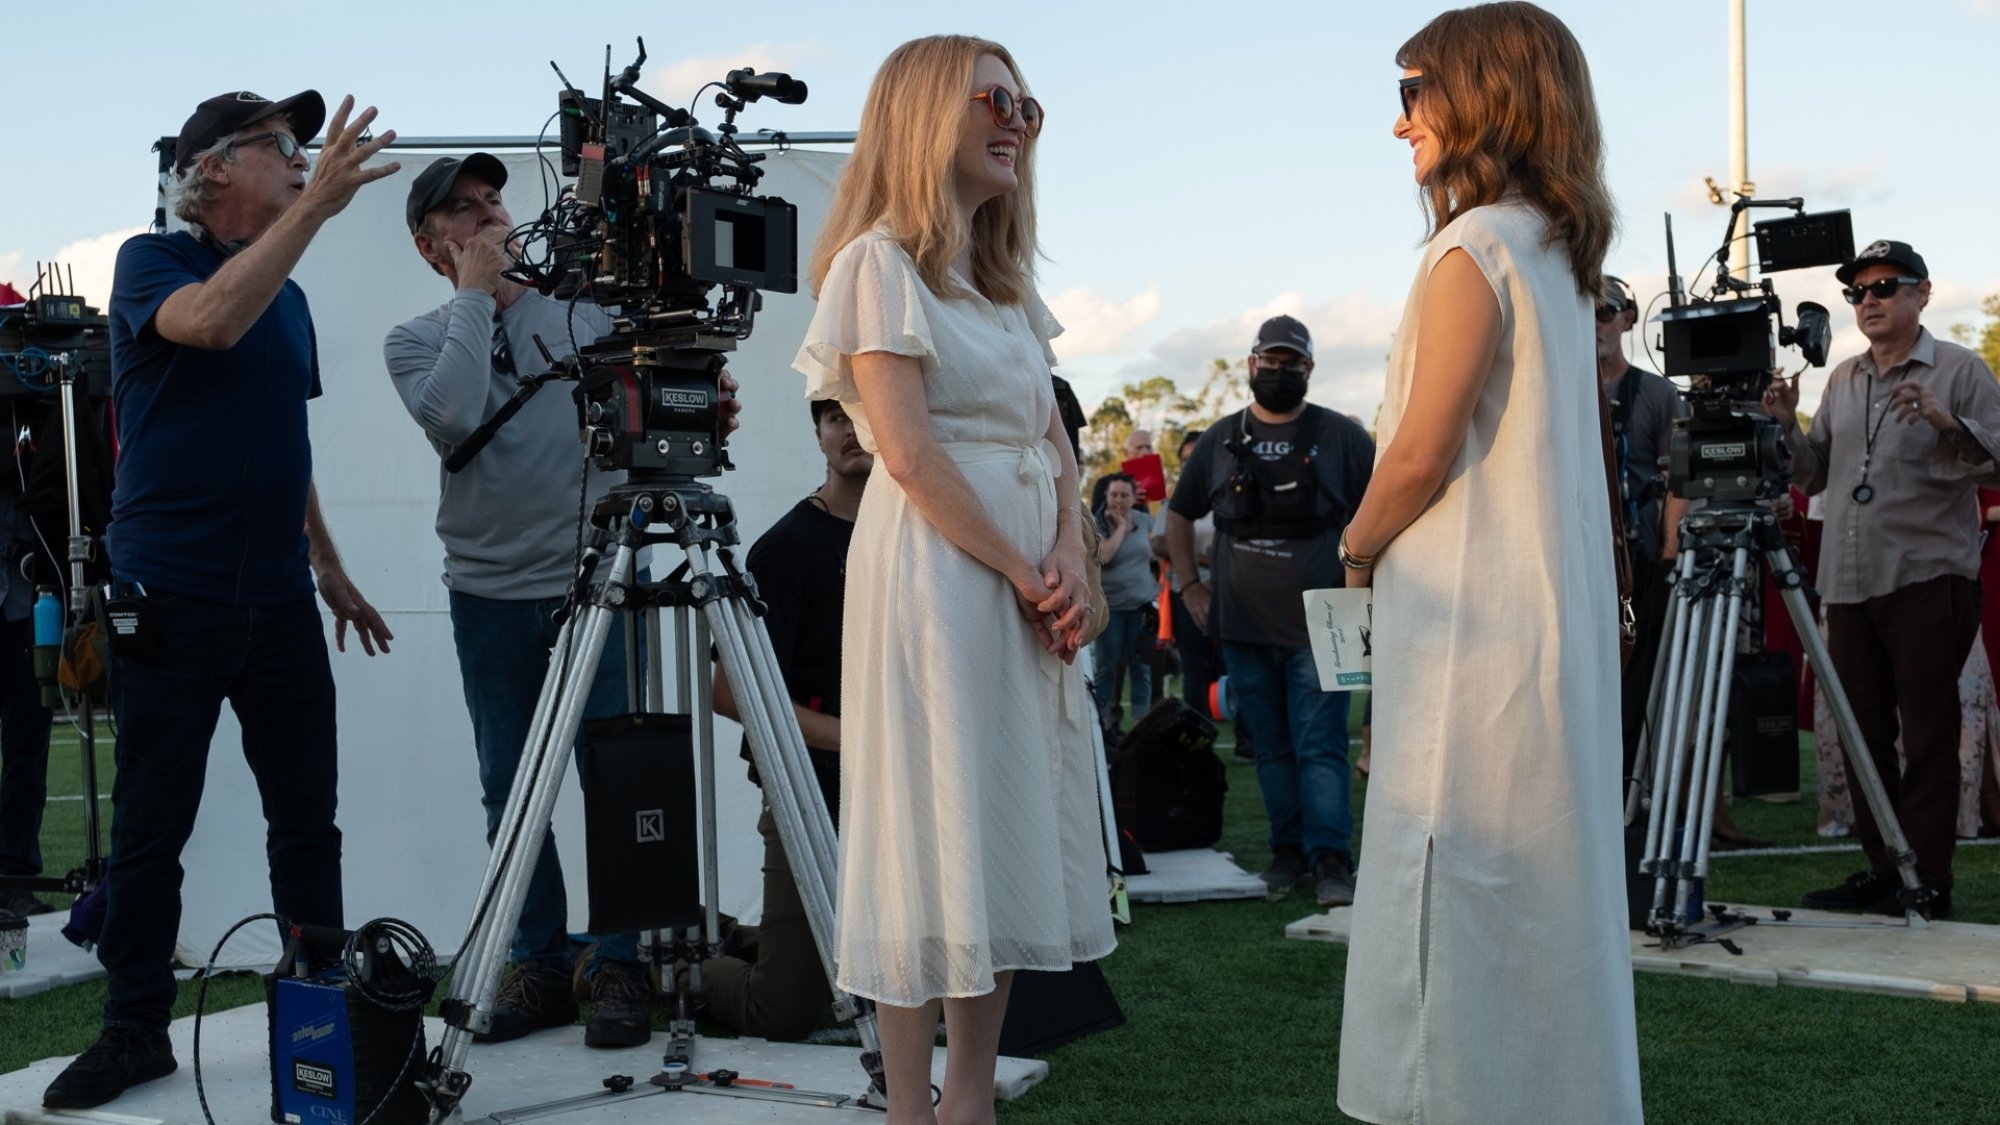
x=1904, y=434
x=1281, y=479
x=454, y=367
x=217, y=531
x=224, y=114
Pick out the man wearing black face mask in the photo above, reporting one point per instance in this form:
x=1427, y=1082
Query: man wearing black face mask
x=1282, y=478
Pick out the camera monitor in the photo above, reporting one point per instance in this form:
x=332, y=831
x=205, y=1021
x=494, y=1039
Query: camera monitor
x=1804, y=241
x=1718, y=339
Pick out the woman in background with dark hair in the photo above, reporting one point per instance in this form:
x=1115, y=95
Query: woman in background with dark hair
x=1489, y=977
x=1125, y=552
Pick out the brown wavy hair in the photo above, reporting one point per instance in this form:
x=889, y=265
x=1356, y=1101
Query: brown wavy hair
x=1507, y=97
x=901, y=173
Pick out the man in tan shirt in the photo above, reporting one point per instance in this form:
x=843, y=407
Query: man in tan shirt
x=1904, y=433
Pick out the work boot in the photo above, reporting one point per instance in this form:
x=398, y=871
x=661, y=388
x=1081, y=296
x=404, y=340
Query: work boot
x=121, y=1058
x=1333, y=881
x=1938, y=909
x=621, y=1006
x=1862, y=890
x=1287, y=868
x=531, y=998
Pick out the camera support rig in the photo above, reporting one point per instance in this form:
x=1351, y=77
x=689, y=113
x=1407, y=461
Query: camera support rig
x=1734, y=458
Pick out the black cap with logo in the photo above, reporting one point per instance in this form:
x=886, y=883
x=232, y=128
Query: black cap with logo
x=1283, y=332
x=224, y=114
x=1885, y=251
x=433, y=184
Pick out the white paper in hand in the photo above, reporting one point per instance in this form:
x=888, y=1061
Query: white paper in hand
x=1341, y=624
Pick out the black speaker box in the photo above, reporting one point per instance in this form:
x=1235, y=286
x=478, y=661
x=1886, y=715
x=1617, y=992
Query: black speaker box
x=640, y=823
x=1763, y=725
x=1048, y=1009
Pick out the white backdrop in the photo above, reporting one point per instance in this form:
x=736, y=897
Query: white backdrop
x=409, y=792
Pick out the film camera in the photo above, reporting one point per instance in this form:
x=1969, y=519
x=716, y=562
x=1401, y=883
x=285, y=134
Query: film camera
x=1725, y=348
x=662, y=214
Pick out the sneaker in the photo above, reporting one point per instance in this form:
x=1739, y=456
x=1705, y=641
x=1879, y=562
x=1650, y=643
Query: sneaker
x=1862, y=890
x=23, y=904
x=530, y=999
x=121, y=1058
x=1892, y=905
x=1287, y=869
x=621, y=1006
x=1333, y=881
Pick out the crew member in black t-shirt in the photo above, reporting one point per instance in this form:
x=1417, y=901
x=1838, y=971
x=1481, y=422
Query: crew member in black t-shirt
x=801, y=570
x=1281, y=478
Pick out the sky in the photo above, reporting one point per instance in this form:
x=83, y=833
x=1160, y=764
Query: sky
x=1204, y=166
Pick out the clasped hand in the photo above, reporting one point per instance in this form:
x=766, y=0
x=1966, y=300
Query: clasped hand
x=1055, y=600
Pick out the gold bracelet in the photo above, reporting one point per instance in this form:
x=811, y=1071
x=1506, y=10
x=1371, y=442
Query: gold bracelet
x=1066, y=510
x=1352, y=561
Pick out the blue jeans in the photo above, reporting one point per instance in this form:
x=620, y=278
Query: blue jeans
x=1123, y=645
x=24, y=752
x=1301, y=737
x=503, y=657
x=270, y=663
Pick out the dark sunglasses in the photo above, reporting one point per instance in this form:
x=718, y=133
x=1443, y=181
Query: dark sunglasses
x=1607, y=313
x=1407, y=89
x=1883, y=288
x=1004, y=107
x=286, y=146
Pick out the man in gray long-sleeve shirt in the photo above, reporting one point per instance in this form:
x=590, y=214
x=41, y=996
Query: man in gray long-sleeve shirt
x=1904, y=434
x=508, y=522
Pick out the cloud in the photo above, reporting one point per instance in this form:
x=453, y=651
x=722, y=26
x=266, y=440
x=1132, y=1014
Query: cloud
x=89, y=260
x=676, y=82
x=1096, y=325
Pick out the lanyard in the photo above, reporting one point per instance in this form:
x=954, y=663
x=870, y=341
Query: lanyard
x=1864, y=492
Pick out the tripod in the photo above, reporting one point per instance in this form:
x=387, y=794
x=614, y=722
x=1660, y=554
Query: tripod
x=1688, y=712
x=78, y=553
x=701, y=524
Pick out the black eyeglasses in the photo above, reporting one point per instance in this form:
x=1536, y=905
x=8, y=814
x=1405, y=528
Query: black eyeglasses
x=1407, y=89
x=1004, y=106
x=1883, y=288
x=286, y=146
x=1607, y=313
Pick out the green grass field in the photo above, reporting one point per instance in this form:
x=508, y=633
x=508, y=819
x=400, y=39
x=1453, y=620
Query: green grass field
x=1227, y=1021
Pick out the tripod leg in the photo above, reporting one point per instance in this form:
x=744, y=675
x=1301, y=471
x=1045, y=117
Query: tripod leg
x=1636, y=796
x=805, y=829
x=1664, y=724
x=1860, y=765
x=1670, y=801
x=559, y=714
x=1714, y=729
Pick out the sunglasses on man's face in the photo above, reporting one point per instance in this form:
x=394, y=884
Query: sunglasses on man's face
x=1408, y=89
x=1607, y=313
x=286, y=146
x=1006, y=110
x=1883, y=288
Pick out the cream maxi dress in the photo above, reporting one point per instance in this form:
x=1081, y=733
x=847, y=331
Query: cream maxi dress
x=969, y=839
x=1489, y=978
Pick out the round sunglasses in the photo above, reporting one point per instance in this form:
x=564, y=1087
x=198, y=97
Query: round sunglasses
x=1006, y=109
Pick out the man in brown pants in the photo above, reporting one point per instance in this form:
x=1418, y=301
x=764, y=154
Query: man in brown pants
x=1902, y=436
x=801, y=570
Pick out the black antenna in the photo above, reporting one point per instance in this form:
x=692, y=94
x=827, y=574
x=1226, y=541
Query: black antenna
x=1675, y=298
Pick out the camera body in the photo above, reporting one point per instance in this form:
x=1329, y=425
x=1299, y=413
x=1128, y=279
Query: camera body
x=664, y=225
x=1724, y=351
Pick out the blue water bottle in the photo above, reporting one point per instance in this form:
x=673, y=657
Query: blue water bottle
x=48, y=644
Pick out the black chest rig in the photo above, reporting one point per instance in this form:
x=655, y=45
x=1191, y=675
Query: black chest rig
x=1279, y=499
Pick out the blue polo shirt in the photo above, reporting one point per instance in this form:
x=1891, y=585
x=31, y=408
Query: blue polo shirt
x=214, y=460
